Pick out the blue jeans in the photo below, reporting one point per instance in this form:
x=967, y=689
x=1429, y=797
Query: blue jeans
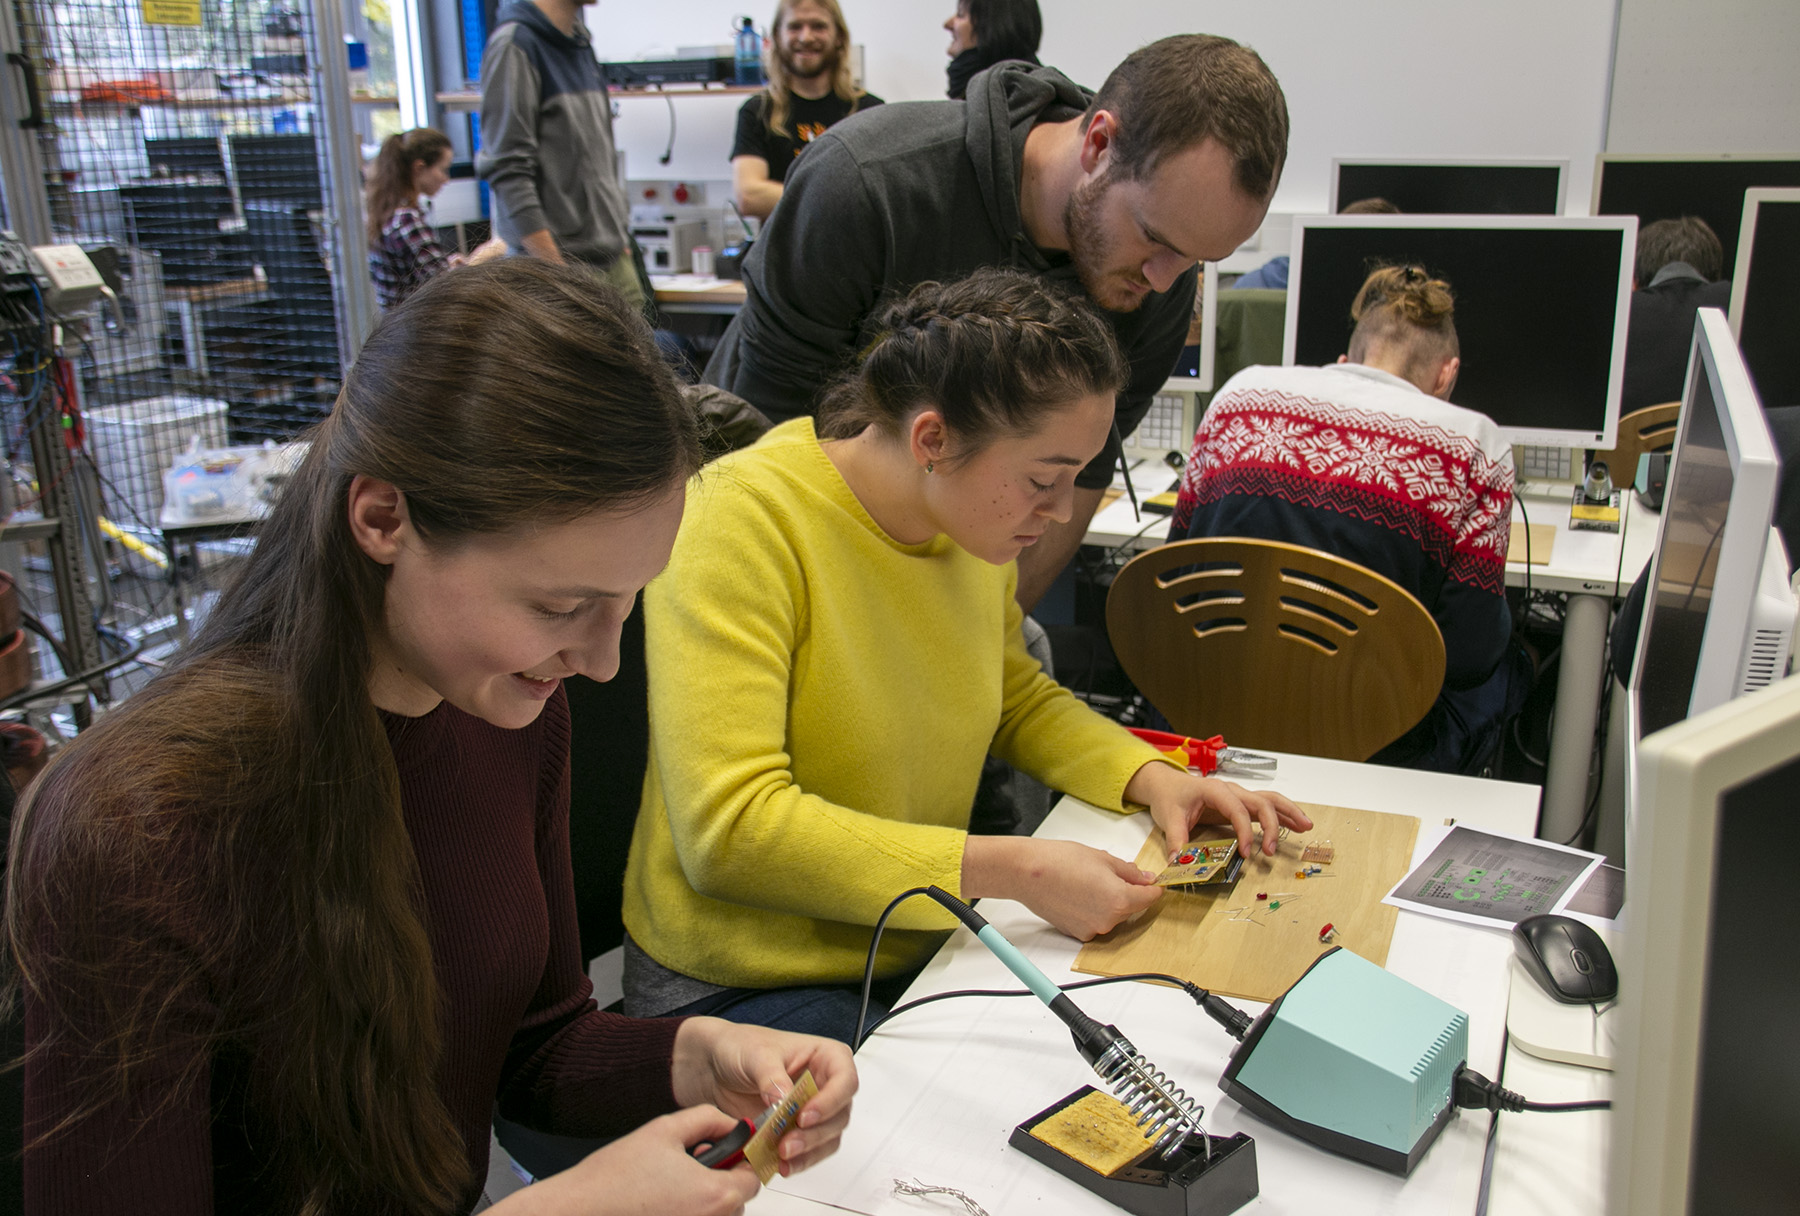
x=826, y=1011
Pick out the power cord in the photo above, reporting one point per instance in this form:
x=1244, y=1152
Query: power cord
x=1472, y=1091
x=1235, y=1021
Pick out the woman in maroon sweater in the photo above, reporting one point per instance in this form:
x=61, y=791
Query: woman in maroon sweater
x=291, y=922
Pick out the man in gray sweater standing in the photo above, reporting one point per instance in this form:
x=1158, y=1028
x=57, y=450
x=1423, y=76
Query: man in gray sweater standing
x=547, y=142
x=1119, y=194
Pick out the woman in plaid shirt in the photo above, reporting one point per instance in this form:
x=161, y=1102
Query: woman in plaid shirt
x=403, y=250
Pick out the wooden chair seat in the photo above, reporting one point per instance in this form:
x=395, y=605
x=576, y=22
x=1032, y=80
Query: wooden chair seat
x=1651, y=429
x=1275, y=646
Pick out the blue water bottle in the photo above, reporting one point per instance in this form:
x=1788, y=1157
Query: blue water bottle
x=749, y=55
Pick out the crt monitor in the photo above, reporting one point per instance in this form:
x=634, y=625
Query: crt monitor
x=1700, y=608
x=1706, y=1069
x=1541, y=308
x=1765, y=294
x=1669, y=187
x=1452, y=187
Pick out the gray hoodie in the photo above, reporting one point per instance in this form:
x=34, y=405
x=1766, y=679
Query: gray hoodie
x=897, y=195
x=547, y=137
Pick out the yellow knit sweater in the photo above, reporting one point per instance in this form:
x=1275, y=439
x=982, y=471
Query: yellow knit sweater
x=821, y=698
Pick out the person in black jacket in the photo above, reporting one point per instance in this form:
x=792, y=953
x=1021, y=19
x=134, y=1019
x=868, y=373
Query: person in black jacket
x=986, y=32
x=1676, y=275
x=1118, y=194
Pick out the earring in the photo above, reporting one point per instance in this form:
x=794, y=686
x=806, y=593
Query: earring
x=930, y=465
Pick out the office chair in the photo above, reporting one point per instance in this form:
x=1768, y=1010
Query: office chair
x=1275, y=646
x=1250, y=330
x=1651, y=429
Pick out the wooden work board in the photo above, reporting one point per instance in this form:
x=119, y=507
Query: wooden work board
x=1227, y=940
x=1543, y=543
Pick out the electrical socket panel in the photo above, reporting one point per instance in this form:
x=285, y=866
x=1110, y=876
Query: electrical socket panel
x=14, y=259
x=70, y=280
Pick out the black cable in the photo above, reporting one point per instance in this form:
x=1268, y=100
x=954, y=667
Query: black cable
x=1597, y=746
x=80, y=677
x=38, y=627
x=1525, y=516
x=1472, y=1091
x=1235, y=1021
x=669, y=151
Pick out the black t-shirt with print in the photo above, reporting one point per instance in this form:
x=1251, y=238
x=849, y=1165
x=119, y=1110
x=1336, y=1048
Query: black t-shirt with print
x=807, y=119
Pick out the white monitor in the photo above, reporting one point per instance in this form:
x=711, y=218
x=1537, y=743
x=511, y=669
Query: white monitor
x=1168, y=425
x=1666, y=187
x=1194, y=369
x=1706, y=1065
x=1541, y=309
x=1765, y=294
x=1452, y=187
x=1713, y=543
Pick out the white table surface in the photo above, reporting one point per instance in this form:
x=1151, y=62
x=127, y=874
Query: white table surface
x=943, y=1087
x=1581, y=562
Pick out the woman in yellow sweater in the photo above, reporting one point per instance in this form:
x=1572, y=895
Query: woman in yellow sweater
x=835, y=647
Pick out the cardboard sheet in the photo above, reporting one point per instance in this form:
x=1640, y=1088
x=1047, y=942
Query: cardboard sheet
x=1228, y=940
x=1543, y=543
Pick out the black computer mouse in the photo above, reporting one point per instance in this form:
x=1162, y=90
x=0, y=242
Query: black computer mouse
x=1567, y=958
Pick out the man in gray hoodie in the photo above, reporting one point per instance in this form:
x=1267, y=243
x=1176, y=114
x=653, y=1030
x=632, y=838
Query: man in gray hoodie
x=547, y=142
x=1119, y=194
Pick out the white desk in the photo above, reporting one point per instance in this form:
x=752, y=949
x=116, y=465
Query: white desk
x=943, y=1086
x=1586, y=566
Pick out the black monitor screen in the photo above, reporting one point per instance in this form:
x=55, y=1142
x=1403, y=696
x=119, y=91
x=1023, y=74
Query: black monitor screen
x=1711, y=189
x=185, y=157
x=1769, y=320
x=1454, y=189
x=1536, y=310
x=1746, y=1145
x=1687, y=562
x=277, y=168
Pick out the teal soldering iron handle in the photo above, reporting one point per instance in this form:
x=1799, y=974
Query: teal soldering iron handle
x=1159, y=1105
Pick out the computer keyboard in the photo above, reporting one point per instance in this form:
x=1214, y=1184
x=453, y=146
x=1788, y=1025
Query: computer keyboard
x=1168, y=427
x=1539, y=462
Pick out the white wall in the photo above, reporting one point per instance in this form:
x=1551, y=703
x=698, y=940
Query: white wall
x=1516, y=78
x=1718, y=76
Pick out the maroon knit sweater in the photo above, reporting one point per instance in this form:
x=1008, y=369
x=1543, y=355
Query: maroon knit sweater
x=488, y=812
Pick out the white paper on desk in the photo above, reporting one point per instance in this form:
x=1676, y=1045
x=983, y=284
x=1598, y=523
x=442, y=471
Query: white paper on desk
x=685, y=282
x=1493, y=880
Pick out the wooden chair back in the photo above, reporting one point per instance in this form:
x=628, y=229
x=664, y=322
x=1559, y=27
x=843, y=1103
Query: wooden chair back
x=1651, y=429
x=1275, y=646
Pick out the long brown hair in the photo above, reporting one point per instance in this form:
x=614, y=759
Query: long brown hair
x=390, y=184
x=781, y=92
x=246, y=806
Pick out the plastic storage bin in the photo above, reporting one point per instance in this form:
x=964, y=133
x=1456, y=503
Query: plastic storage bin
x=135, y=442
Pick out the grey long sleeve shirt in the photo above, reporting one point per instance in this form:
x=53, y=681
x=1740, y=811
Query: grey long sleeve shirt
x=547, y=138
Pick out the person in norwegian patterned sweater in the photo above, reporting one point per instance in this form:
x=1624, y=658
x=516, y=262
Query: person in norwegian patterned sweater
x=1367, y=459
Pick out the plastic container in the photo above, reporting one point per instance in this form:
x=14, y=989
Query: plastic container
x=224, y=484
x=133, y=443
x=748, y=54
